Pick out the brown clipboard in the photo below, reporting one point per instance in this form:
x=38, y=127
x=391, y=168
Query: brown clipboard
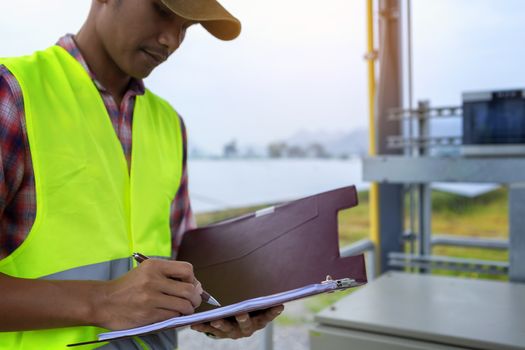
x=273, y=250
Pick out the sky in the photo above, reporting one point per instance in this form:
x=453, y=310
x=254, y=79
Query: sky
x=298, y=64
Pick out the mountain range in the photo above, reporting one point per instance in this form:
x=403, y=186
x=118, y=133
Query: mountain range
x=333, y=144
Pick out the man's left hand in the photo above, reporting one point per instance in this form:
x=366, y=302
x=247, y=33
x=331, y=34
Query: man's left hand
x=244, y=326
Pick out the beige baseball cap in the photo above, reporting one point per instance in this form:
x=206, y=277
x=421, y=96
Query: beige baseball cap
x=210, y=14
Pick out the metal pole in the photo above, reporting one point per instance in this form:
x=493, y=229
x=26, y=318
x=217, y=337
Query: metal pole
x=389, y=96
x=425, y=219
x=371, y=270
x=371, y=56
x=411, y=187
x=267, y=343
x=409, y=56
x=424, y=189
x=363, y=246
x=517, y=232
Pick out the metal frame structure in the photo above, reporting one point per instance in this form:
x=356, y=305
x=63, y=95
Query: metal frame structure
x=403, y=164
x=417, y=167
x=475, y=170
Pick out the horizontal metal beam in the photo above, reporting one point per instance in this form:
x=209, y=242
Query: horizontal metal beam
x=359, y=247
x=433, y=262
x=356, y=248
x=433, y=112
x=462, y=241
x=401, y=169
x=441, y=141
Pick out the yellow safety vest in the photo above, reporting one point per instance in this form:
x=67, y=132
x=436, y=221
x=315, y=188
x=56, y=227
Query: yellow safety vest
x=92, y=214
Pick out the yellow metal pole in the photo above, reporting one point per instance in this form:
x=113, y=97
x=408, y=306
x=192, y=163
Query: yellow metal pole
x=372, y=150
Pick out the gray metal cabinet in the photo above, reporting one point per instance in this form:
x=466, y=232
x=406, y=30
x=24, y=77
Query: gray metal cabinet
x=410, y=311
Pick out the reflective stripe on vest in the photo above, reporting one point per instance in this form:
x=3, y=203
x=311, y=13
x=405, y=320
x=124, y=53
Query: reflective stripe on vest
x=91, y=212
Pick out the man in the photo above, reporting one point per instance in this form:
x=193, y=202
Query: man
x=93, y=168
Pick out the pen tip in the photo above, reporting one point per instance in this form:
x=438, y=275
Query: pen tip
x=212, y=301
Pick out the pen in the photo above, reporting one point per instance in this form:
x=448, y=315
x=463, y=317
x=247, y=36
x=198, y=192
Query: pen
x=206, y=297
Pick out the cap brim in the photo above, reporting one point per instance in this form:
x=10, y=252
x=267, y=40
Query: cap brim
x=210, y=14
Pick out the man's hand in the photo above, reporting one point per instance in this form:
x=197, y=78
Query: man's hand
x=244, y=326
x=156, y=290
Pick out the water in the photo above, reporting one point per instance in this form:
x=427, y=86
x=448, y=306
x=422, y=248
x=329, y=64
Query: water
x=220, y=184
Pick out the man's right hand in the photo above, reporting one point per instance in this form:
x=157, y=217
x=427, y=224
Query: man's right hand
x=154, y=291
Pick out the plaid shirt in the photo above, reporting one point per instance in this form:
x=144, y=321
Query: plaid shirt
x=17, y=184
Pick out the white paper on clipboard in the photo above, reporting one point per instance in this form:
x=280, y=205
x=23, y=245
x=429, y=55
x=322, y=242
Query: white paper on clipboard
x=234, y=309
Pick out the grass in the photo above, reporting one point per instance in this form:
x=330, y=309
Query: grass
x=483, y=216
x=320, y=302
x=204, y=219
x=285, y=320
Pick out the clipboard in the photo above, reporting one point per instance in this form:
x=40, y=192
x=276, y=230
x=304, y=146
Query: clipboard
x=273, y=250
x=245, y=306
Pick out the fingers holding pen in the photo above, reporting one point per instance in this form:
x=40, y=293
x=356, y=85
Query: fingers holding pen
x=179, y=305
x=179, y=270
x=148, y=294
x=182, y=290
x=198, y=286
x=176, y=279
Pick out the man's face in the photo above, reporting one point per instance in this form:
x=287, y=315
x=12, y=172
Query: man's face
x=138, y=35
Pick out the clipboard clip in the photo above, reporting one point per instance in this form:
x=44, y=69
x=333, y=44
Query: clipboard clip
x=343, y=283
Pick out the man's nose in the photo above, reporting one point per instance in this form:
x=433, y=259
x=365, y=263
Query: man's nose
x=172, y=36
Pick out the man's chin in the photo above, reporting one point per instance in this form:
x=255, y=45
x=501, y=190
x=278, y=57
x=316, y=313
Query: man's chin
x=141, y=73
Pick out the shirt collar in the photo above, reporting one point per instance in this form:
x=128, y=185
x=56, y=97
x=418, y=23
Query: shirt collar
x=67, y=42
